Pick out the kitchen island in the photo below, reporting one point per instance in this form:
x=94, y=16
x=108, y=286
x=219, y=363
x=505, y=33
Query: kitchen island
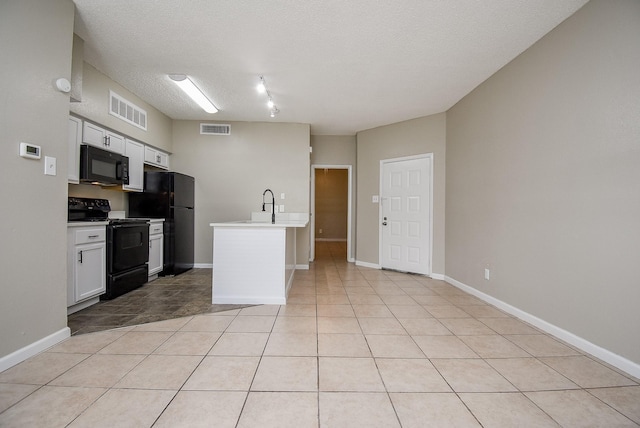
x=254, y=260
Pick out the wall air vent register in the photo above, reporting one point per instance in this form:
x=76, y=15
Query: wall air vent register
x=214, y=129
x=127, y=111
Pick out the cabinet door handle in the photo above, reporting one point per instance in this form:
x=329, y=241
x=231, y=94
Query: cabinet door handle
x=80, y=256
x=149, y=244
x=92, y=236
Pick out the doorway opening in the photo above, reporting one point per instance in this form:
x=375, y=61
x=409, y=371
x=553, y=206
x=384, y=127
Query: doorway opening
x=331, y=193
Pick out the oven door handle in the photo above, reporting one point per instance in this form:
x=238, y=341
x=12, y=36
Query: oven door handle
x=122, y=226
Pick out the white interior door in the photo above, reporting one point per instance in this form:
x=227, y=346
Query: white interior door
x=405, y=212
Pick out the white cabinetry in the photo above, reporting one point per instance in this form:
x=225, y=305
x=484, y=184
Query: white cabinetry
x=156, y=157
x=73, y=146
x=135, y=152
x=156, y=247
x=100, y=137
x=86, y=263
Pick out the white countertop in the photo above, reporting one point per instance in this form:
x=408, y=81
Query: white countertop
x=263, y=224
x=106, y=222
x=86, y=223
x=263, y=220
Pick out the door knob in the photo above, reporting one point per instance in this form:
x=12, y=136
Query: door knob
x=384, y=223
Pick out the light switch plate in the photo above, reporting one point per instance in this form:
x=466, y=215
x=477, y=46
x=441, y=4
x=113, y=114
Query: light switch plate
x=49, y=165
x=281, y=208
x=375, y=199
x=281, y=195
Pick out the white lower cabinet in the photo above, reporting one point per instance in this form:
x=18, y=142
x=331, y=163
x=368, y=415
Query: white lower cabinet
x=156, y=247
x=86, y=262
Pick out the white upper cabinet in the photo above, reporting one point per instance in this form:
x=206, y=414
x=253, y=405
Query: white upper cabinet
x=100, y=137
x=135, y=152
x=73, y=147
x=156, y=157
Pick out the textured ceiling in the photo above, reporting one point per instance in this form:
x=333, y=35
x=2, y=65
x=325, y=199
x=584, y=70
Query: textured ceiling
x=341, y=66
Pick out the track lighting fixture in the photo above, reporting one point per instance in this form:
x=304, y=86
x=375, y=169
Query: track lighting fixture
x=262, y=88
x=194, y=92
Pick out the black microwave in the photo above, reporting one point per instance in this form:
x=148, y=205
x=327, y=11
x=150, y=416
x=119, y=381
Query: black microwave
x=98, y=166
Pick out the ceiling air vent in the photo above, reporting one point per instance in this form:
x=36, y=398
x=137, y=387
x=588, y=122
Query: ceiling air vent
x=127, y=111
x=215, y=129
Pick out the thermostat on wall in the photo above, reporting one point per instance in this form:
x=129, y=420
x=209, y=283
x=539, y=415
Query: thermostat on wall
x=29, y=151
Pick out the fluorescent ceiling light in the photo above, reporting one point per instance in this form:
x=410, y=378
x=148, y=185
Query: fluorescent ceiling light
x=194, y=92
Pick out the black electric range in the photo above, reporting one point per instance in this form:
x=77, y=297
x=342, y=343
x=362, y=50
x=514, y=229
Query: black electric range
x=127, y=245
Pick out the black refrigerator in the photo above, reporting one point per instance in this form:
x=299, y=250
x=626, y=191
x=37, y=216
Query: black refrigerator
x=169, y=195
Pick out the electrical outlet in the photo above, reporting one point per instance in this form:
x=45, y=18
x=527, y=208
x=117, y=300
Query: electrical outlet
x=487, y=274
x=281, y=208
x=281, y=195
x=320, y=231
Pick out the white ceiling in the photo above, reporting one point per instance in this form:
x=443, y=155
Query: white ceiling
x=341, y=66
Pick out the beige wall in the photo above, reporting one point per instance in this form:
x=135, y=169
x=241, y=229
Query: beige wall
x=338, y=150
x=543, y=173
x=35, y=44
x=333, y=150
x=233, y=171
x=95, y=107
x=413, y=137
x=331, y=207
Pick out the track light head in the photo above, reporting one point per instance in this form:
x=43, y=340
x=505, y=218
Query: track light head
x=262, y=87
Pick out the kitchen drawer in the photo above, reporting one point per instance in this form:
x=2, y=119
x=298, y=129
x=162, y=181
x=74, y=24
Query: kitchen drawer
x=86, y=236
x=155, y=229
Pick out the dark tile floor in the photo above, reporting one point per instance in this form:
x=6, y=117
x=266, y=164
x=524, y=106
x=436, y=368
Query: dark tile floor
x=165, y=298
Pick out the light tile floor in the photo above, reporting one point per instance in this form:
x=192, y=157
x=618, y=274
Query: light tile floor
x=353, y=347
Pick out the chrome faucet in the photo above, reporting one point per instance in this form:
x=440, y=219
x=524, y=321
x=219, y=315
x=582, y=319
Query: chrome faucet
x=273, y=205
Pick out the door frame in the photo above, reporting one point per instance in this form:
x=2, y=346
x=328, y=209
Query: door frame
x=312, y=222
x=430, y=243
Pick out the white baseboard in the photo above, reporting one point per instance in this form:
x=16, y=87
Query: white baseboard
x=439, y=276
x=605, y=355
x=210, y=266
x=80, y=306
x=242, y=300
x=203, y=265
x=351, y=260
x=35, y=348
x=367, y=264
